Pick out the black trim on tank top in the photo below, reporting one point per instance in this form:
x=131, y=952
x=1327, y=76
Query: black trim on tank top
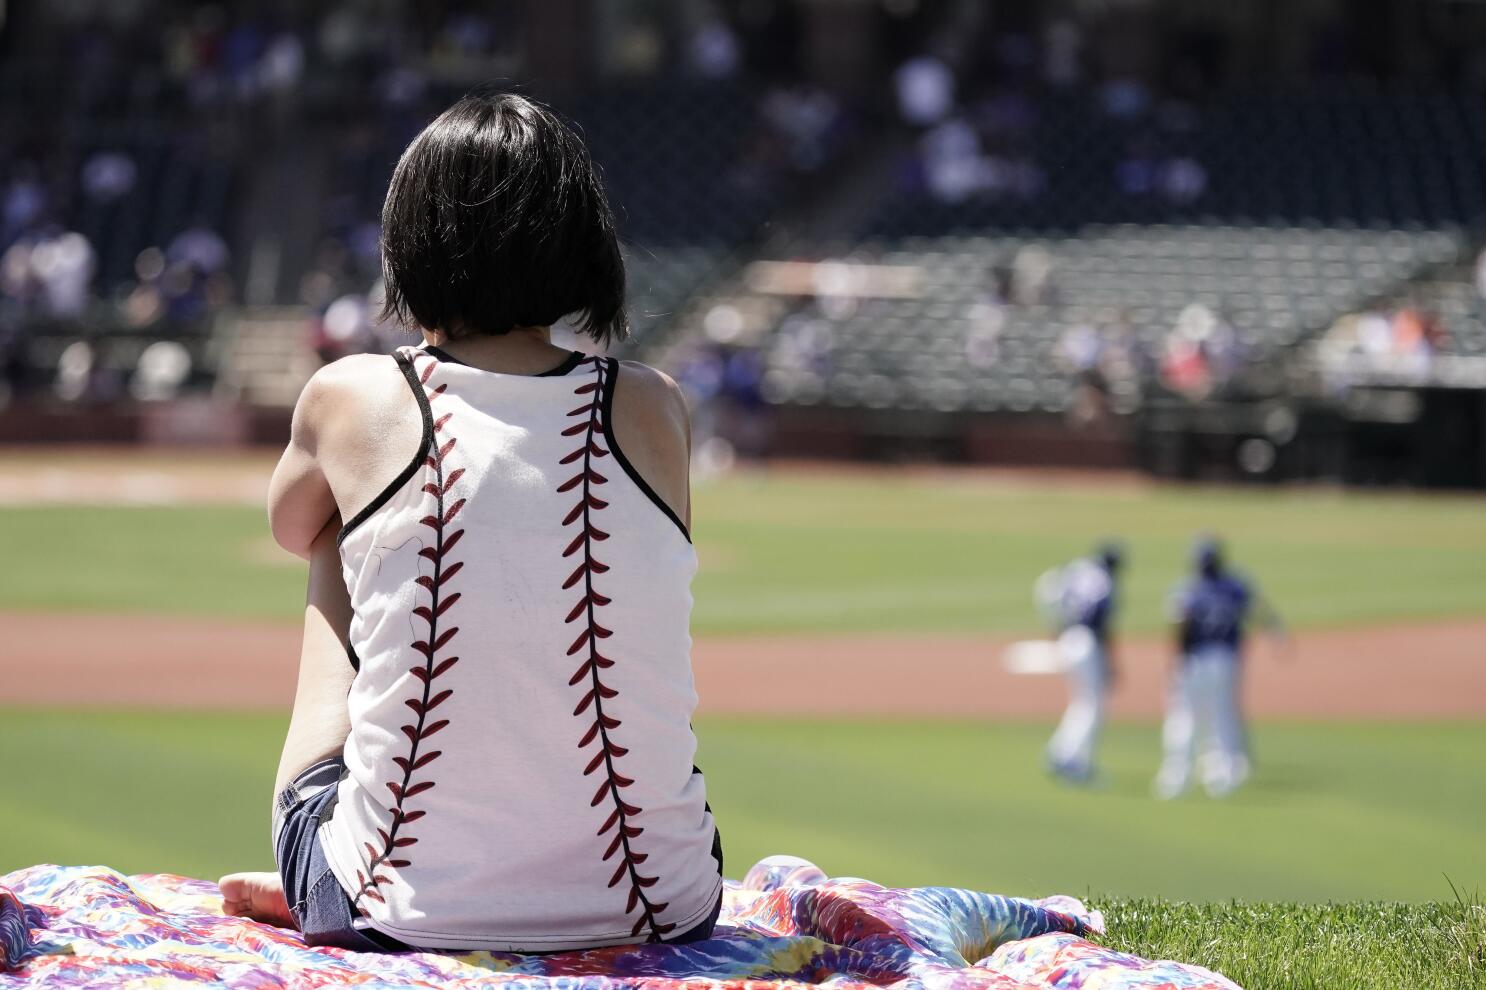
x=411, y=374
x=610, y=381
x=696, y=771
x=572, y=361
x=352, y=657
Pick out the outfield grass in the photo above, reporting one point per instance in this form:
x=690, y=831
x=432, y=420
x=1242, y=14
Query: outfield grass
x=1370, y=814
x=826, y=553
x=1335, y=811
x=1359, y=946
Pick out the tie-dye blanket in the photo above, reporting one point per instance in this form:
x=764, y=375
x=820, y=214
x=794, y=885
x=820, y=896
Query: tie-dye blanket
x=785, y=925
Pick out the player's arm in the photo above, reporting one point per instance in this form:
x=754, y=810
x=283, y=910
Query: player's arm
x=1268, y=616
x=320, y=723
x=299, y=496
x=1269, y=619
x=1104, y=621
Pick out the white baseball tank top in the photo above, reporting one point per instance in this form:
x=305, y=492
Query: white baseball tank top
x=519, y=773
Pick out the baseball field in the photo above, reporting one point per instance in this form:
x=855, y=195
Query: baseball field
x=854, y=708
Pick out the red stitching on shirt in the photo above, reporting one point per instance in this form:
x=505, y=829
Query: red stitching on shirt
x=432, y=666
x=588, y=430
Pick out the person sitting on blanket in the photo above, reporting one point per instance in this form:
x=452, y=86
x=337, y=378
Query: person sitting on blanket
x=491, y=744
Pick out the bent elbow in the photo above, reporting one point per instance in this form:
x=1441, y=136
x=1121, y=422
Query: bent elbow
x=293, y=535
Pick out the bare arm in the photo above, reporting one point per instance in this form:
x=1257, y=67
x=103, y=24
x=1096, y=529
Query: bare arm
x=653, y=427
x=299, y=496
x=1268, y=616
x=320, y=724
x=1269, y=619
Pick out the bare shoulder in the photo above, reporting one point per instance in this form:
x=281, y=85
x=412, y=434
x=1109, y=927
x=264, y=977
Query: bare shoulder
x=352, y=390
x=355, y=374
x=653, y=430
x=649, y=396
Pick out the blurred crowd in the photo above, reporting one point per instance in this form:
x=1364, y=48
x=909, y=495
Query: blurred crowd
x=126, y=185
x=1403, y=340
x=103, y=222
x=976, y=114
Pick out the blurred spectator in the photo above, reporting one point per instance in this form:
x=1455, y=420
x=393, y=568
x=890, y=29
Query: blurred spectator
x=954, y=168
x=1375, y=333
x=987, y=319
x=163, y=368
x=62, y=263
x=1031, y=271
x=344, y=328
x=1125, y=98
x=804, y=117
x=1404, y=342
x=1184, y=368
x=1184, y=363
x=713, y=49
x=145, y=303
x=926, y=90
x=1202, y=355
x=18, y=284
x=23, y=202
x=282, y=64
x=1124, y=361
x=1182, y=180
x=1062, y=52
x=201, y=248
x=108, y=175
x=1079, y=349
x=805, y=342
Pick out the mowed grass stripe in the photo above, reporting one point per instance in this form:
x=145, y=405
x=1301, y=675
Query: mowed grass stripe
x=1341, y=811
x=785, y=552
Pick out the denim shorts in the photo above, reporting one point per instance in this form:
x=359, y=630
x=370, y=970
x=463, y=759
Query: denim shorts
x=321, y=907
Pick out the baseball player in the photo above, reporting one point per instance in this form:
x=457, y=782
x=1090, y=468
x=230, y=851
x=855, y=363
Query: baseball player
x=1080, y=598
x=1211, y=610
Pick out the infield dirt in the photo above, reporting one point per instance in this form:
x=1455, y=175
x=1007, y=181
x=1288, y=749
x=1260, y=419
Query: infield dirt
x=1429, y=670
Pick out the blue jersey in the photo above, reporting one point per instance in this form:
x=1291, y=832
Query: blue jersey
x=1212, y=611
x=1086, y=597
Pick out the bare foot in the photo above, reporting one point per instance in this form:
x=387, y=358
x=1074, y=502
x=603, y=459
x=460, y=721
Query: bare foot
x=259, y=896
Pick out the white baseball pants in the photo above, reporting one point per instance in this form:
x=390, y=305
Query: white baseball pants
x=1071, y=749
x=1203, y=721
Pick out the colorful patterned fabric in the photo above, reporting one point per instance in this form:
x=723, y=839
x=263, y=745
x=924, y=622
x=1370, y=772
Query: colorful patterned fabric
x=785, y=925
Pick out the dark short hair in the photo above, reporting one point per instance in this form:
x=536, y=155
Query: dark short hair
x=495, y=219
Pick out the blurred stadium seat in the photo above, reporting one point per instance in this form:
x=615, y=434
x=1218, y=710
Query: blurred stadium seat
x=1091, y=227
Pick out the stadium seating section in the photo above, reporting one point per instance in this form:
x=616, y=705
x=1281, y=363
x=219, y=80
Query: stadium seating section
x=1276, y=285
x=1314, y=205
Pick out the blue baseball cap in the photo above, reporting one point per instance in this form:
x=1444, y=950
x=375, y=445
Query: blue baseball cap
x=1207, y=553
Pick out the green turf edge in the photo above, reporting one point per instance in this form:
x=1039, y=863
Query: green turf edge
x=1356, y=945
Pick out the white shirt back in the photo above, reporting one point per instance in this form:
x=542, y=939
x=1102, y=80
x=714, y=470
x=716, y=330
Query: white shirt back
x=519, y=774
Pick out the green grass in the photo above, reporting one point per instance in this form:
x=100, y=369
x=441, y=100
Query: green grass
x=786, y=551
x=199, y=560
x=840, y=553
x=1338, y=812
x=1334, y=812
x=1380, y=817
x=1367, y=945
